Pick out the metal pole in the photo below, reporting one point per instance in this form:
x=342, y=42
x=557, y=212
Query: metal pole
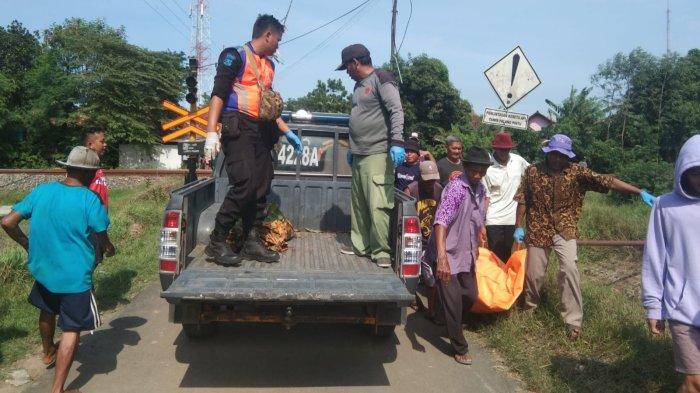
x=393, y=33
x=611, y=243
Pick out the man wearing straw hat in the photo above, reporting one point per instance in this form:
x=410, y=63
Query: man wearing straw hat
x=63, y=214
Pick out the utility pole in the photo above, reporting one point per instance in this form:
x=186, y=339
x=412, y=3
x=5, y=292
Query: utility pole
x=668, y=27
x=393, y=34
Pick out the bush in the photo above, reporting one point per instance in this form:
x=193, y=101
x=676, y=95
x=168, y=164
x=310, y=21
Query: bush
x=654, y=176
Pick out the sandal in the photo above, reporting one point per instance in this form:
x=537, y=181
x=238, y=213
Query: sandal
x=50, y=359
x=574, y=333
x=464, y=359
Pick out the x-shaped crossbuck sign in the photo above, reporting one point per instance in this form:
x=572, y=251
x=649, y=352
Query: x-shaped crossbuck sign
x=185, y=116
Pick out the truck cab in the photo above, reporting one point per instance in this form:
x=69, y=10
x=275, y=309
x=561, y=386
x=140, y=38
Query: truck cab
x=313, y=281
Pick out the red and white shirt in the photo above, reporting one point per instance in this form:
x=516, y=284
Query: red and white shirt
x=99, y=185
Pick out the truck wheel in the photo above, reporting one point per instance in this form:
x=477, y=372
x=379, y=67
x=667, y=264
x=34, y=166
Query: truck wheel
x=197, y=330
x=383, y=330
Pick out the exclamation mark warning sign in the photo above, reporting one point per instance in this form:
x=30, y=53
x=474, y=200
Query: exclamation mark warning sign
x=512, y=77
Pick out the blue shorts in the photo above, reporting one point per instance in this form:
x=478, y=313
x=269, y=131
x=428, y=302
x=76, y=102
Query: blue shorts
x=76, y=311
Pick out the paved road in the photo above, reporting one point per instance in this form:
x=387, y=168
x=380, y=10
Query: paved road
x=139, y=351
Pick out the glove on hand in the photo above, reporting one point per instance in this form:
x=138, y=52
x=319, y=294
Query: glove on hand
x=211, y=146
x=647, y=197
x=294, y=140
x=349, y=158
x=398, y=155
x=519, y=235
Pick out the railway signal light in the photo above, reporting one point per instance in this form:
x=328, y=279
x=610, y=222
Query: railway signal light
x=191, y=81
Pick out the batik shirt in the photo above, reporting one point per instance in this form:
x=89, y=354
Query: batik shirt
x=554, y=201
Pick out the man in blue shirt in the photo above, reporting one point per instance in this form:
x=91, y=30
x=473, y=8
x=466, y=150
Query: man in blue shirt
x=61, y=256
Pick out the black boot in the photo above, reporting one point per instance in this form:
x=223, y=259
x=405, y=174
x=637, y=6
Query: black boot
x=255, y=250
x=220, y=252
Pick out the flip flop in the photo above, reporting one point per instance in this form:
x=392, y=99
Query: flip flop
x=465, y=359
x=52, y=356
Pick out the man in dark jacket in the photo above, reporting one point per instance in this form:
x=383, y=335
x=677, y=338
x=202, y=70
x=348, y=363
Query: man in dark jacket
x=246, y=141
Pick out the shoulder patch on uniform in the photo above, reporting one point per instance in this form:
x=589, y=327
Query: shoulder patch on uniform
x=385, y=76
x=228, y=60
x=229, y=56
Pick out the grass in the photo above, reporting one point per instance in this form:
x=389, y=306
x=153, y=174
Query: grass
x=136, y=215
x=615, y=353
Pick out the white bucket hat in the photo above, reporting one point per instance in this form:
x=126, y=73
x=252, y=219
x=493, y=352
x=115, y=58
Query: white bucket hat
x=82, y=158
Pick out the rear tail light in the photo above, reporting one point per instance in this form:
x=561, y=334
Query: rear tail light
x=169, y=245
x=412, y=270
x=412, y=247
x=411, y=225
x=168, y=266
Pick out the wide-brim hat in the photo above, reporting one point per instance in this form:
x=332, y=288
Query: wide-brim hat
x=560, y=143
x=81, y=158
x=502, y=140
x=476, y=155
x=354, y=51
x=411, y=144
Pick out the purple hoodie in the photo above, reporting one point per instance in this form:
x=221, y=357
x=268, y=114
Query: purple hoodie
x=671, y=262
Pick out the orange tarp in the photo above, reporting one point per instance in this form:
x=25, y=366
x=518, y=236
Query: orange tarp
x=500, y=284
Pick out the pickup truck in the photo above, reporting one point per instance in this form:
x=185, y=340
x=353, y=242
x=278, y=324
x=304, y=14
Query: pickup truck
x=313, y=281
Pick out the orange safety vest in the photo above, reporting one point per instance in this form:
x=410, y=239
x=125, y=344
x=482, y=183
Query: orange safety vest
x=244, y=96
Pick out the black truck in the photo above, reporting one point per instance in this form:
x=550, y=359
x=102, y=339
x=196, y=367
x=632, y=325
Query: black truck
x=313, y=281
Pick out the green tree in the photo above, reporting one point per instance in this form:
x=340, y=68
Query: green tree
x=579, y=116
x=432, y=104
x=330, y=96
x=18, y=51
x=88, y=74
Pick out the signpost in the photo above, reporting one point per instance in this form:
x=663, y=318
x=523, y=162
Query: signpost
x=506, y=119
x=194, y=125
x=512, y=78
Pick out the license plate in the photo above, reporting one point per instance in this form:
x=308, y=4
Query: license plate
x=316, y=155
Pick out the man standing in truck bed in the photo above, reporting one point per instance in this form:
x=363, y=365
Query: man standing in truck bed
x=241, y=75
x=376, y=128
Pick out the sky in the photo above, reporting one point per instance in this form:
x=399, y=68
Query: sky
x=565, y=41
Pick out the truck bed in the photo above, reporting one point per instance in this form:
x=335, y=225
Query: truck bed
x=312, y=270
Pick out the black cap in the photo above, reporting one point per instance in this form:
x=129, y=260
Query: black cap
x=354, y=51
x=411, y=144
x=476, y=155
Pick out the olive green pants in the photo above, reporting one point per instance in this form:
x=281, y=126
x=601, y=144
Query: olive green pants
x=372, y=199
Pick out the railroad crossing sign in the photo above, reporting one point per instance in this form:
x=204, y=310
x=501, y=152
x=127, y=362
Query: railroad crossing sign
x=512, y=77
x=196, y=122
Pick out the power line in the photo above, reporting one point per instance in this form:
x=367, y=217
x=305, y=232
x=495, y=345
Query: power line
x=173, y=12
x=284, y=21
x=410, y=14
x=179, y=6
x=165, y=19
x=325, y=24
x=330, y=37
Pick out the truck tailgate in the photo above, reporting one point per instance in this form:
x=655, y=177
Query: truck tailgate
x=312, y=271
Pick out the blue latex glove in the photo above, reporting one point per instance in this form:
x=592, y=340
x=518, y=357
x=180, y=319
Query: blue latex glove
x=519, y=235
x=398, y=155
x=349, y=158
x=293, y=140
x=647, y=198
